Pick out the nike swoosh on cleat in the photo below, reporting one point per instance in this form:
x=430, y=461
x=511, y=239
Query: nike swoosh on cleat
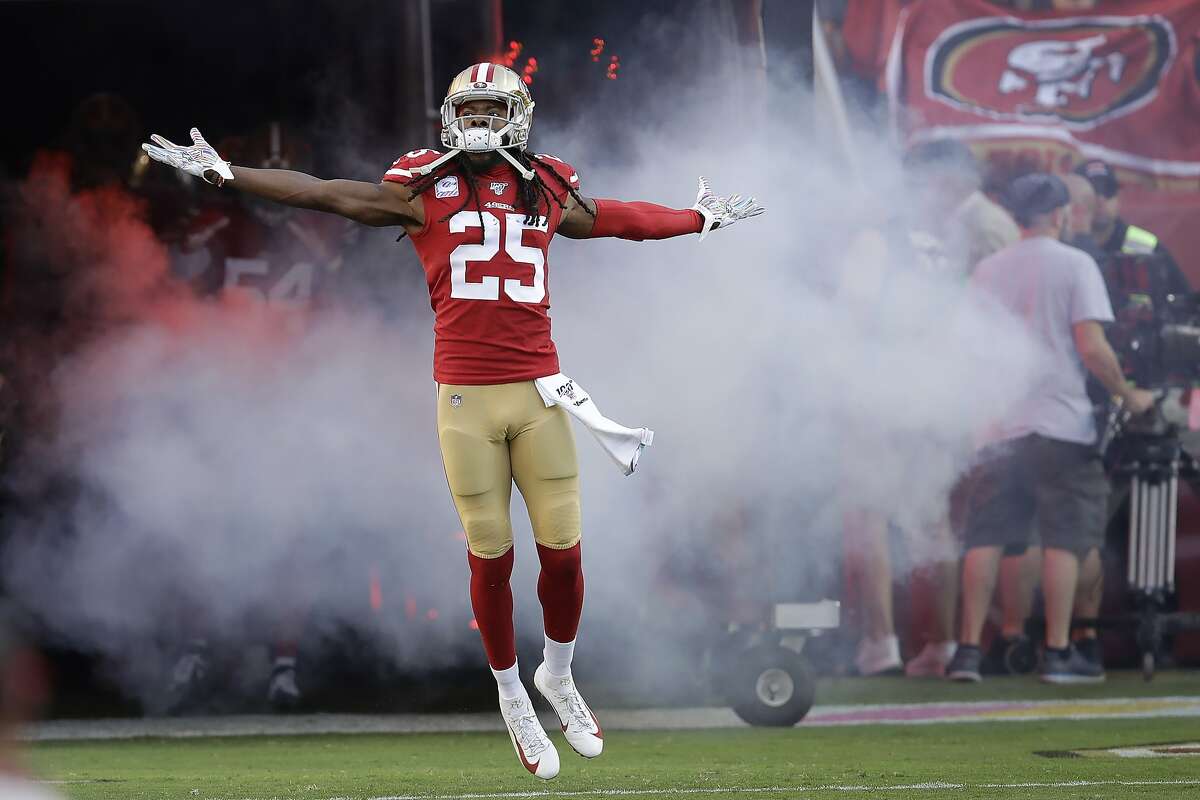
x=520, y=753
x=599, y=731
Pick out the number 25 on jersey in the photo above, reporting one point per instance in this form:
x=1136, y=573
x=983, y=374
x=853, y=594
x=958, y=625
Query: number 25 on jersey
x=488, y=286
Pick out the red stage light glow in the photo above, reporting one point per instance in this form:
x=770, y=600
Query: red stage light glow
x=597, y=48
x=531, y=66
x=514, y=51
x=614, y=64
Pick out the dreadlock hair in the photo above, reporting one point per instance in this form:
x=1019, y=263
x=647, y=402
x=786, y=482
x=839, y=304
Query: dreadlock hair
x=530, y=193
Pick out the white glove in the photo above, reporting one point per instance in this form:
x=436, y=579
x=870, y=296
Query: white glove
x=721, y=212
x=200, y=159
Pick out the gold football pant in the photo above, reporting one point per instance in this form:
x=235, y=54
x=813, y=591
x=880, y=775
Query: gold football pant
x=493, y=435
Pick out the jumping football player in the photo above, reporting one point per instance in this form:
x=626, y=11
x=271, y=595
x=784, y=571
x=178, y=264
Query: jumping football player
x=481, y=216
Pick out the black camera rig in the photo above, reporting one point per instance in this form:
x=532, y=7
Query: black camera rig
x=1157, y=338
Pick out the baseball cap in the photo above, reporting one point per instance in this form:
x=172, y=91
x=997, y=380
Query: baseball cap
x=1036, y=193
x=1100, y=175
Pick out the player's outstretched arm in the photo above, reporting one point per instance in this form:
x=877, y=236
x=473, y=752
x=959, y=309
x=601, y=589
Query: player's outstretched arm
x=369, y=203
x=639, y=221
x=377, y=204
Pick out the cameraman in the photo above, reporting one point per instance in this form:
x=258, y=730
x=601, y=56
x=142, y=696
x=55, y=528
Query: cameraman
x=1041, y=466
x=1134, y=258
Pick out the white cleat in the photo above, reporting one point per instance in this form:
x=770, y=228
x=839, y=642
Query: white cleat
x=533, y=747
x=879, y=657
x=579, y=724
x=282, y=693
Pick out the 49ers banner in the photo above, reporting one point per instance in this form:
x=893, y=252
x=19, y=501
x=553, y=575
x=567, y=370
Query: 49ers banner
x=1123, y=86
x=1052, y=88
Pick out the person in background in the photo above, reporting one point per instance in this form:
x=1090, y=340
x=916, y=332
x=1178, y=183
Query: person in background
x=24, y=691
x=254, y=253
x=946, y=181
x=1021, y=566
x=1040, y=465
x=259, y=258
x=945, y=227
x=952, y=208
x=1081, y=216
x=1116, y=237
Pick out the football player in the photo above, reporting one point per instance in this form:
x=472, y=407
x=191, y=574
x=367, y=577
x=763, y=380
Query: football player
x=481, y=214
x=259, y=256
x=258, y=253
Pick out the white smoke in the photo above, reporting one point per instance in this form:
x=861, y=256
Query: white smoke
x=217, y=464
x=789, y=372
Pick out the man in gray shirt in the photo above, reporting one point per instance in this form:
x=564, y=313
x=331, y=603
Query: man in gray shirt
x=1041, y=466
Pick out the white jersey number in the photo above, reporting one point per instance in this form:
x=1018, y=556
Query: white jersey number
x=293, y=289
x=488, y=286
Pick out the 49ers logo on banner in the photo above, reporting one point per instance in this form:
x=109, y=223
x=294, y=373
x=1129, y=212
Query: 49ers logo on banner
x=1082, y=72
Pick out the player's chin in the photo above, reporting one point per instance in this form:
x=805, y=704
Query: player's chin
x=485, y=158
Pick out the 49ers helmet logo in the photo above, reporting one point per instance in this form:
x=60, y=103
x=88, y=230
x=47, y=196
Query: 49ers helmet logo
x=1082, y=72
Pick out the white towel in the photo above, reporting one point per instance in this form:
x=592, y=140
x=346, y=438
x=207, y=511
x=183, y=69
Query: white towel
x=625, y=445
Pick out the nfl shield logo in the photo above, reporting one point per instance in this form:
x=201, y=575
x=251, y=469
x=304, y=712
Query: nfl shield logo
x=456, y=400
x=499, y=186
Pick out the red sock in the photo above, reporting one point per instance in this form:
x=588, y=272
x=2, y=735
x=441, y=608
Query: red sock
x=284, y=649
x=560, y=588
x=491, y=600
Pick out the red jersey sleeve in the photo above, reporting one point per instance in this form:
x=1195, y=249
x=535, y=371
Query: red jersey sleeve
x=560, y=168
x=402, y=169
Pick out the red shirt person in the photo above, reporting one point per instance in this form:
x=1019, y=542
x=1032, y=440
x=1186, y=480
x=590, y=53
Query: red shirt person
x=481, y=214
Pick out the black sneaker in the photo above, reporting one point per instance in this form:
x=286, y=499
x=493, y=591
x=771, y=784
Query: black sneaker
x=964, y=667
x=1068, y=666
x=1091, y=651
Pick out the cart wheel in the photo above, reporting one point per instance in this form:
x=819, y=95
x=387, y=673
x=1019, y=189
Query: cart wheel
x=1020, y=657
x=1148, y=665
x=771, y=685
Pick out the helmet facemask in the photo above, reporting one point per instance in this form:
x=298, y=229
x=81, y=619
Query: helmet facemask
x=460, y=132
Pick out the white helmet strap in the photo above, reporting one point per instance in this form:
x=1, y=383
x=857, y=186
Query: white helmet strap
x=527, y=174
x=431, y=166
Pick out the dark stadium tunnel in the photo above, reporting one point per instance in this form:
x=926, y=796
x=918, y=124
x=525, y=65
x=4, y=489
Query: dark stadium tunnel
x=347, y=72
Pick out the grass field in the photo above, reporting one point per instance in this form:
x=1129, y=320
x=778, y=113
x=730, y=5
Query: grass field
x=984, y=760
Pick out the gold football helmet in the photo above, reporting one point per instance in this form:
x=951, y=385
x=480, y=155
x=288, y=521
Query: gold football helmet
x=486, y=81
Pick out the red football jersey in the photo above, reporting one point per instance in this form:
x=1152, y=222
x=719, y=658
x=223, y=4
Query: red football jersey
x=229, y=252
x=489, y=288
